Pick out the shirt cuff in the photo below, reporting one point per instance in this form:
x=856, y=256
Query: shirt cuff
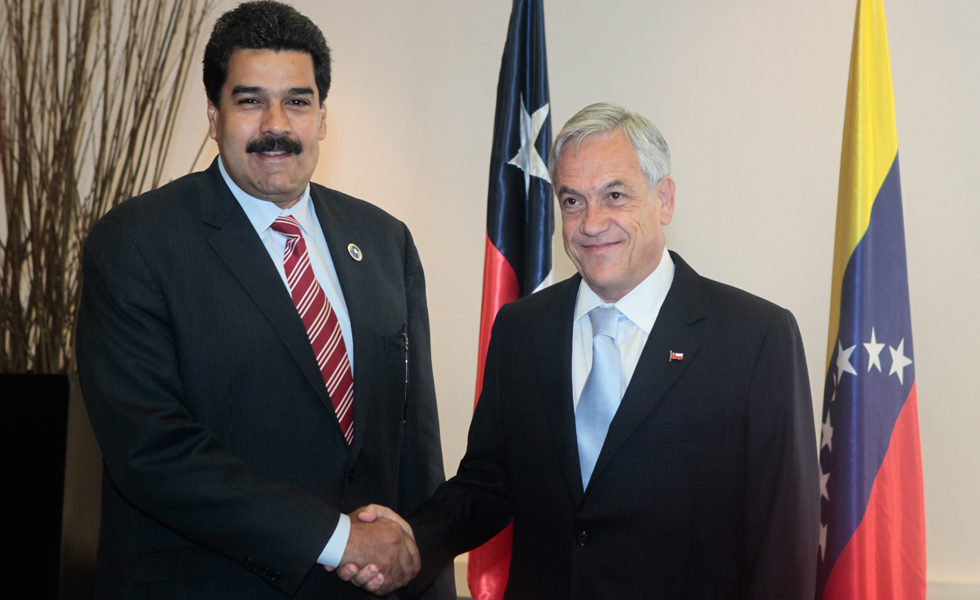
x=333, y=552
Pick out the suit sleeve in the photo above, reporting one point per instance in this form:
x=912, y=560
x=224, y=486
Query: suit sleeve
x=422, y=468
x=475, y=505
x=156, y=455
x=783, y=504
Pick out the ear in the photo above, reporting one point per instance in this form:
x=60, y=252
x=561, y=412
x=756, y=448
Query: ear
x=212, y=121
x=666, y=193
x=323, y=119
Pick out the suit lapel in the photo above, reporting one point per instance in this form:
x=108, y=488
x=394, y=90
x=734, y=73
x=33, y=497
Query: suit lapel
x=553, y=349
x=246, y=257
x=655, y=372
x=339, y=231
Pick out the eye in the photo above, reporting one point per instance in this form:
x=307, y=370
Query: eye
x=615, y=195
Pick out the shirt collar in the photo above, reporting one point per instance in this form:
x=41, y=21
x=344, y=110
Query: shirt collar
x=642, y=304
x=262, y=213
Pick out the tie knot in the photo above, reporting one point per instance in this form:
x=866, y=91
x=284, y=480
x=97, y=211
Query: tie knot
x=286, y=225
x=605, y=321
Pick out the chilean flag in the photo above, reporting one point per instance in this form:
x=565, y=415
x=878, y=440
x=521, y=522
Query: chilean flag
x=520, y=220
x=872, y=535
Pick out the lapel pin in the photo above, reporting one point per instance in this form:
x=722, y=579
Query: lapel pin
x=355, y=252
x=676, y=356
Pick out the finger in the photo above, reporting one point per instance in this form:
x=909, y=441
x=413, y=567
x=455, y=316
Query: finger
x=375, y=584
x=378, y=510
x=367, y=513
x=347, y=572
x=329, y=569
x=413, y=549
x=366, y=576
x=404, y=525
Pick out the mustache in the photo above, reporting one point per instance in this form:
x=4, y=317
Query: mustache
x=274, y=143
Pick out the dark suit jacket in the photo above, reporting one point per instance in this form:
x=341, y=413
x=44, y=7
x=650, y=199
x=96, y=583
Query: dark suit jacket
x=706, y=486
x=225, y=467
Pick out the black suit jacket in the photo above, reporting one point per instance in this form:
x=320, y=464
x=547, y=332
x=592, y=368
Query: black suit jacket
x=706, y=486
x=225, y=467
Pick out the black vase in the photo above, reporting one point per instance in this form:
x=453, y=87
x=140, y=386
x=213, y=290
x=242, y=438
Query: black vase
x=54, y=484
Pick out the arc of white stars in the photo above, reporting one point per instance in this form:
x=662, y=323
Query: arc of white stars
x=899, y=361
x=527, y=158
x=844, y=360
x=827, y=434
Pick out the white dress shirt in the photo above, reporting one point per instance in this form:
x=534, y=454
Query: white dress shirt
x=261, y=213
x=638, y=311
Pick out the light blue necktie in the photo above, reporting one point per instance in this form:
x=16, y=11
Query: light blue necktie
x=601, y=395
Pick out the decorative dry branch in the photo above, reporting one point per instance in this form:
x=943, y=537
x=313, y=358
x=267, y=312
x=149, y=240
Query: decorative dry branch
x=89, y=95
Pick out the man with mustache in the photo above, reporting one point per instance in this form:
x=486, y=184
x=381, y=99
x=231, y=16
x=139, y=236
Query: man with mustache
x=254, y=353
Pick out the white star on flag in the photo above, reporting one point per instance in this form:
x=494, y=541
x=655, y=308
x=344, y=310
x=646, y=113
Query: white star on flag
x=823, y=483
x=527, y=158
x=827, y=434
x=874, y=352
x=844, y=360
x=823, y=540
x=899, y=361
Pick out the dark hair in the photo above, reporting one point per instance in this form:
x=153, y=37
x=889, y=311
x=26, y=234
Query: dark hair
x=263, y=25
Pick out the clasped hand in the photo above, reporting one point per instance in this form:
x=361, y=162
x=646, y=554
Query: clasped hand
x=381, y=555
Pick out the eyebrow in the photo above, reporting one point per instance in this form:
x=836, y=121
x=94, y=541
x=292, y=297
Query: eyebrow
x=246, y=89
x=241, y=90
x=615, y=183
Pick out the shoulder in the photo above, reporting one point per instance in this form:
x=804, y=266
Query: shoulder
x=738, y=303
x=172, y=198
x=691, y=293
x=161, y=212
x=553, y=301
x=724, y=313
x=348, y=210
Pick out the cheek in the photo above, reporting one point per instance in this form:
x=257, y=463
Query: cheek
x=568, y=228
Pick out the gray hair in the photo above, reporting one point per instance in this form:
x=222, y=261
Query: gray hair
x=604, y=118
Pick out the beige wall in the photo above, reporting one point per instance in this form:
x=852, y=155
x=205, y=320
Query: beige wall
x=750, y=96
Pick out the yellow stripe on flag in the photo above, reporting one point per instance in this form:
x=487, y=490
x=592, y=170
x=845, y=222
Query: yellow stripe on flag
x=870, y=143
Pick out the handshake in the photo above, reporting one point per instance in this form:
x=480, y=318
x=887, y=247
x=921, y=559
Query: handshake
x=381, y=555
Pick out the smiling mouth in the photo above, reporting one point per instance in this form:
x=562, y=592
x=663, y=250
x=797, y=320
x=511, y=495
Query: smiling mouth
x=602, y=246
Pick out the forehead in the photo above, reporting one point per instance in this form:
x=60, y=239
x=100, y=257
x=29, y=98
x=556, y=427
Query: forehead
x=269, y=69
x=599, y=159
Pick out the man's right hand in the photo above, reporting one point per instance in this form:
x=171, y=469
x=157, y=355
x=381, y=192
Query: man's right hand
x=381, y=555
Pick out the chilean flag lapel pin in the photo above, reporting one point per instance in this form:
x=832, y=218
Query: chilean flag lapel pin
x=676, y=356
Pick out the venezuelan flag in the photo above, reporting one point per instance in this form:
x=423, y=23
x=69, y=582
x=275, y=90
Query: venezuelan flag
x=872, y=537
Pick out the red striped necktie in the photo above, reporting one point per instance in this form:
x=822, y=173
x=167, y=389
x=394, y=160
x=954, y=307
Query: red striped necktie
x=321, y=324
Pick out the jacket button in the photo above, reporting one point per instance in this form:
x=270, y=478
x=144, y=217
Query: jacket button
x=583, y=539
x=351, y=475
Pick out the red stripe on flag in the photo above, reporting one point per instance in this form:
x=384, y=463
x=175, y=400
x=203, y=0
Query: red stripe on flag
x=499, y=288
x=489, y=565
x=886, y=556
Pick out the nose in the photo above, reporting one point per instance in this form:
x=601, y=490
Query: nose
x=275, y=121
x=595, y=221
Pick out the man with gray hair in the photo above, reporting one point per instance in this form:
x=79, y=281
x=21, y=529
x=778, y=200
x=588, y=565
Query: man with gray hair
x=648, y=431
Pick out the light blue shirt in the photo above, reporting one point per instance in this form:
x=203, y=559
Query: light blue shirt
x=638, y=312
x=261, y=213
